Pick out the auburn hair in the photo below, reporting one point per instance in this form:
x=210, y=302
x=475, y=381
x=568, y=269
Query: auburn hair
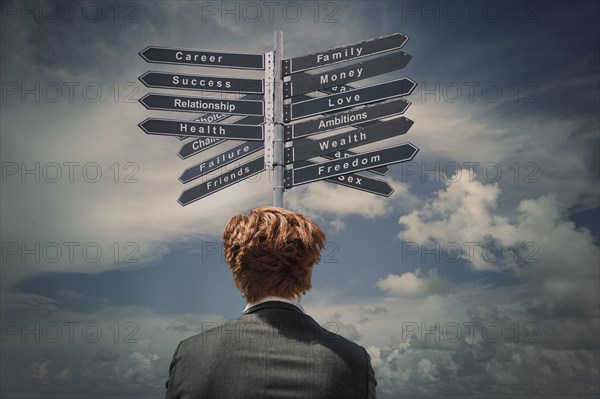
x=271, y=251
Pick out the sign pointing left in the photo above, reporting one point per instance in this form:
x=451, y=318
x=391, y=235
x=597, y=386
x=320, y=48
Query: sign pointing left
x=222, y=181
x=224, y=158
x=172, y=127
x=197, y=104
x=207, y=58
x=164, y=80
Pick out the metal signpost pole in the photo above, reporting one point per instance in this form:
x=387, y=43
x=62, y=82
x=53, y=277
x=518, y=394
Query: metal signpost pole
x=278, y=141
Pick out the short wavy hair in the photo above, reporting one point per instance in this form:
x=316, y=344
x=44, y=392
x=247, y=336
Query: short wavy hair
x=271, y=251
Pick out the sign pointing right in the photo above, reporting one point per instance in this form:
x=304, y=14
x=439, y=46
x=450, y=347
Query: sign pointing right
x=308, y=148
x=348, y=99
x=344, y=53
x=356, y=163
x=351, y=73
x=359, y=182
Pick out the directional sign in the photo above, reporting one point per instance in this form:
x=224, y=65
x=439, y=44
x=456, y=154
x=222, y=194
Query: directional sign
x=351, y=73
x=356, y=163
x=348, y=99
x=223, y=84
x=308, y=148
x=216, y=117
x=359, y=182
x=344, y=53
x=196, y=104
x=347, y=118
x=222, y=181
x=347, y=153
x=207, y=58
x=207, y=118
x=198, y=145
x=171, y=127
x=224, y=158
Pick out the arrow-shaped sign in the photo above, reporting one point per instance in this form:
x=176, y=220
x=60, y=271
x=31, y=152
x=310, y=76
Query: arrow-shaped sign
x=348, y=99
x=356, y=163
x=354, y=117
x=308, y=148
x=347, y=153
x=197, y=104
x=351, y=73
x=341, y=119
x=198, y=57
x=198, y=145
x=223, y=84
x=171, y=127
x=344, y=53
x=222, y=181
x=224, y=158
x=215, y=117
x=359, y=182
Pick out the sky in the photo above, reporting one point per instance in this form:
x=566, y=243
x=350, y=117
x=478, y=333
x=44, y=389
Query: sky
x=478, y=277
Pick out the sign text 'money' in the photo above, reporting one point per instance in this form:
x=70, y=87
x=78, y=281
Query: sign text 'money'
x=334, y=77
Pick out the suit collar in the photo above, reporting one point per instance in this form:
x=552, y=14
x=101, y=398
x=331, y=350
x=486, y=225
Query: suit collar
x=272, y=304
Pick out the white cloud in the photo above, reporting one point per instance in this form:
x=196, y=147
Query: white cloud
x=415, y=284
x=558, y=258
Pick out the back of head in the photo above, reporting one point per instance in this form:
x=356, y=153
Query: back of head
x=271, y=251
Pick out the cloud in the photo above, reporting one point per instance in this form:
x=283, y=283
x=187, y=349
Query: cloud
x=488, y=365
x=538, y=243
x=415, y=284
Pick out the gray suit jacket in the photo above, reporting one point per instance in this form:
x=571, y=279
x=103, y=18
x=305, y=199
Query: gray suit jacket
x=272, y=351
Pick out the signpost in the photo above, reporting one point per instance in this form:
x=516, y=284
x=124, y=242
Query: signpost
x=356, y=163
x=200, y=144
x=222, y=181
x=221, y=84
x=309, y=148
x=344, y=53
x=218, y=161
x=359, y=182
x=264, y=125
x=195, y=104
x=170, y=127
x=206, y=58
x=351, y=73
x=353, y=117
x=348, y=99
